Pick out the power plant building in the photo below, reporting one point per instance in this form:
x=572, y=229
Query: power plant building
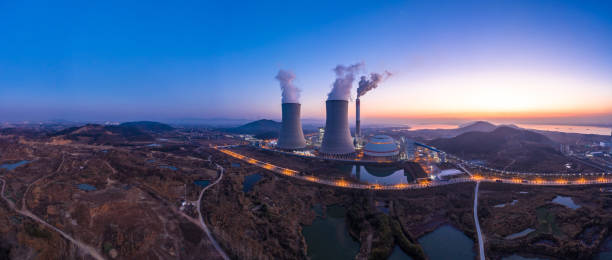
x=337, y=140
x=381, y=147
x=291, y=136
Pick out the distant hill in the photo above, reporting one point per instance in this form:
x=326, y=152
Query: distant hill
x=99, y=134
x=507, y=147
x=148, y=126
x=479, y=126
x=263, y=128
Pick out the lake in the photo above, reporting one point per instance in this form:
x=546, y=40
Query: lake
x=328, y=237
x=569, y=128
x=399, y=254
x=385, y=175
x=566, y=201
x=86, y=187
x=446, y=242
x=249, y=182
x=12, y=166
x=202, y=183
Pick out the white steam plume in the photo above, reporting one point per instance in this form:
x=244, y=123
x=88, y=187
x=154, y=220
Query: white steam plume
x=291, y=94
x=366, y=85
x=345, y=76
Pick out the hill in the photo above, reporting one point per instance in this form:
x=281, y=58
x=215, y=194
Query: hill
x=507, y=148
x=148, y=126
x=478, y=126
x=99, y=134
x=263, y=128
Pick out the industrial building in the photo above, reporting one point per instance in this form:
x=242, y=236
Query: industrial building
x=291, y=136
x=337, y=140
x=381, y=147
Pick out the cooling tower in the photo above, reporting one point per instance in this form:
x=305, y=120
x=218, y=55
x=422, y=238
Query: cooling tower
x=291, y=136
x=337, y=139
x=357, y=119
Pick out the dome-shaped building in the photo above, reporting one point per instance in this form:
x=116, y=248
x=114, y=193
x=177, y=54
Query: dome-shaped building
x=381, y=147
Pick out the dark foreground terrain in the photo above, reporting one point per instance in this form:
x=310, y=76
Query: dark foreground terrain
x=138, y=200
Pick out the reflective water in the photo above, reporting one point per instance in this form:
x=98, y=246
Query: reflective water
x=399, y=254
x=249, y=182
x=202, y=183
x=569, y=128
x=168, y=167
x=328, y=237
x=12, y=166
x=606, y=253
x=386, y=175
x=518, y=257
x=446, y=242
x=566, y=201
x=86, y=187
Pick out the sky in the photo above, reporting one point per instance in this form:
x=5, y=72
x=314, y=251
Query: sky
x=518, y=61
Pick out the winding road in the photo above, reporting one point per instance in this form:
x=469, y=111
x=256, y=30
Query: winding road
x=477, y=223
x=202, y=223
x=86, y=248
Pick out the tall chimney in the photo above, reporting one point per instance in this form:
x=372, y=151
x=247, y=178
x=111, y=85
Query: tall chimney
x=358, y=119
x=337, y=139
x=291, y=136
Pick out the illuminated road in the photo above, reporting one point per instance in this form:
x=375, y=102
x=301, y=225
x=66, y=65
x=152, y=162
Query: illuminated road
x=408, y=186
x=477, y=223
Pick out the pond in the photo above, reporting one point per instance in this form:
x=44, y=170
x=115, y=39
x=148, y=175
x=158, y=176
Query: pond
x=328, y=237
x=398, y=254
x=566, y=201
x=172, y=168
x=86, y=187
x=446, y=242
x=385, y=175
x=504, y=204
x=249, y=182
x=12, y=166
x=606, y=252
x=518, y=257
x=520, y=234
x=202, y=183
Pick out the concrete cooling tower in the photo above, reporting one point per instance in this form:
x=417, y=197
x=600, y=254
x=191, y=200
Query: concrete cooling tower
x=337, y=138
x=291, y=136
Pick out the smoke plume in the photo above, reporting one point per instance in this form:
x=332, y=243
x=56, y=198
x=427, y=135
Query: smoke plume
x=345, y=76
x=366, y=85
x=291, y=94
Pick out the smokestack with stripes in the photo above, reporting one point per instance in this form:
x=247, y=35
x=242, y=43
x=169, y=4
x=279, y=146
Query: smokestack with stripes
x=291, y=136
x=337, y=139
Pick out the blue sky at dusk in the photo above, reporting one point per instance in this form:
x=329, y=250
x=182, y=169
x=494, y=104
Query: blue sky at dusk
x=158, y=60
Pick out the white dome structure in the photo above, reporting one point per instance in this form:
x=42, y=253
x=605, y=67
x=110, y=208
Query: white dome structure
x=381, y=146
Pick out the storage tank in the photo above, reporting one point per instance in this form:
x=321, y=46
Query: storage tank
x=337, y=139
x=291, y=136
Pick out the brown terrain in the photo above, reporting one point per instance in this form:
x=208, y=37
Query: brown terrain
x=135, y=210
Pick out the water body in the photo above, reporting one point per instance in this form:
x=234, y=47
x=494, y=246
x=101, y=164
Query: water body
x=12, y=166
x=446, y=242
x=249, y=182
x=168, y=167
x=504, y=204
x=606, y=253
x=202, y=183
x=569, y=128
x=385, y=175
x=328, y=238
x=399, y=254
x=154, y=145
x=520, y=234
x=86, y=187
x=518, y=257
x=566, y=201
